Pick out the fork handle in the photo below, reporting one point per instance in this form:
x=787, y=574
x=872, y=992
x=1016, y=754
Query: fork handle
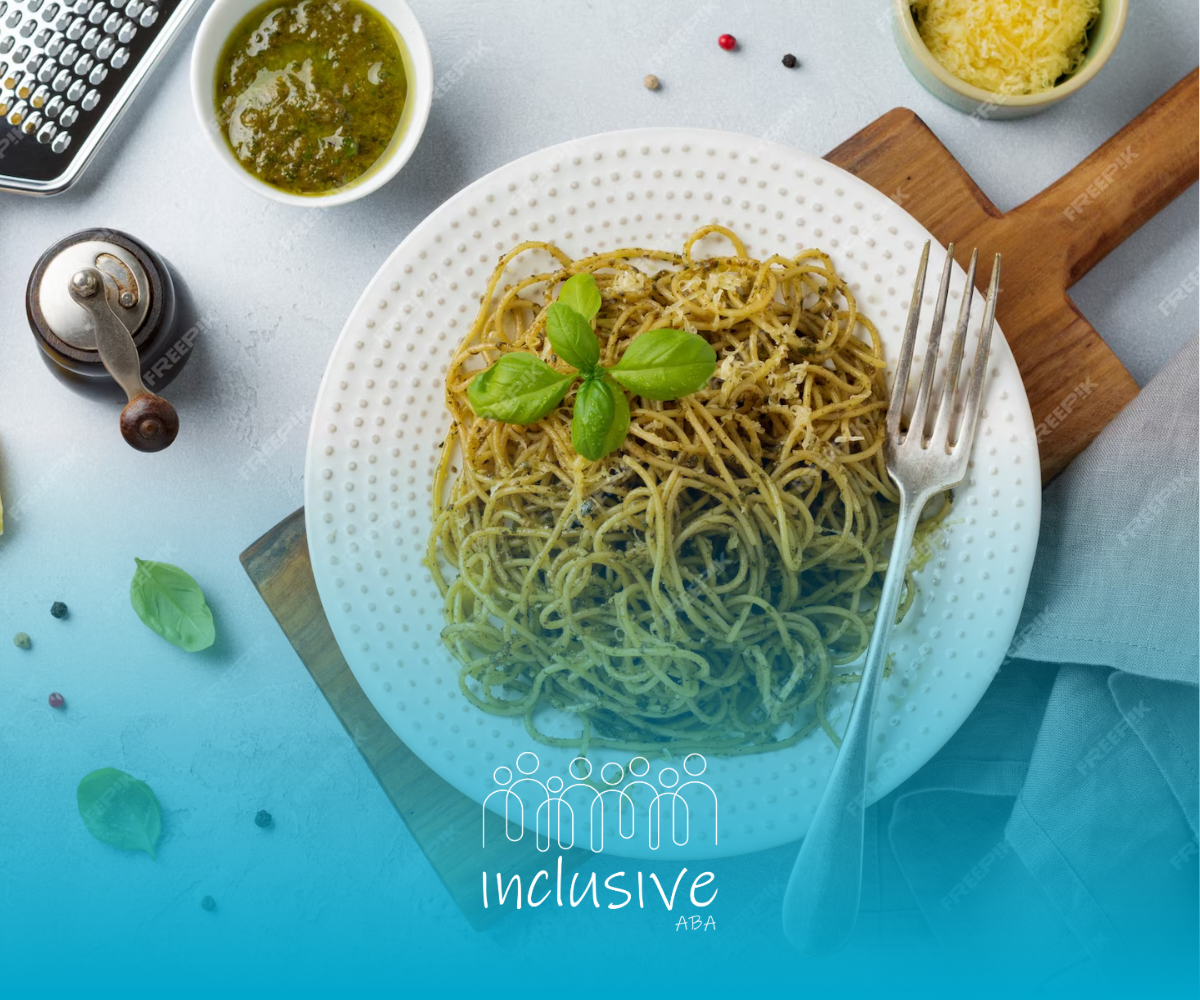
x=820, y=906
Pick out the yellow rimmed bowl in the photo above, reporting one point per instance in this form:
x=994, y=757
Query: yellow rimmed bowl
x=944, y=85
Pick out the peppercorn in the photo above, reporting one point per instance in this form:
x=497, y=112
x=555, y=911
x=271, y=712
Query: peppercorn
x=58, y=609
x=727, y=42
x=790, y=61
x=57, y=700
x=262, y=818
x=208, y=903
x=21, y=641
x=650, y=82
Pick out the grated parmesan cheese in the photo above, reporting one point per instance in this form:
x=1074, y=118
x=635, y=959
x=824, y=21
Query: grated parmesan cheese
x=1007, y=46
x=629, y=282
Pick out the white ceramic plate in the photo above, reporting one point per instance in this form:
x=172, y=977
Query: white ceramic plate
x=379, y=419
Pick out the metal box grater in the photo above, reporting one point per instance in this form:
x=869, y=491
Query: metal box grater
x=68, y=68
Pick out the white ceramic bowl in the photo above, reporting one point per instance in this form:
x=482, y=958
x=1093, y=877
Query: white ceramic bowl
x=225, y=15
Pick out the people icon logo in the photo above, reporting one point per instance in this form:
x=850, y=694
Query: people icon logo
x=623, y=789
x=626, y=791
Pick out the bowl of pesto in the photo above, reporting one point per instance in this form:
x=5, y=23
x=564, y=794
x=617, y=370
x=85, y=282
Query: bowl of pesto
x=316, y=102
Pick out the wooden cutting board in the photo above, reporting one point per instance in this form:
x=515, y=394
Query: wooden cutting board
x=1075, y=384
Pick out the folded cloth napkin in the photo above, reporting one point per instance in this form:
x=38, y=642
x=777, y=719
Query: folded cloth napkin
x=1116, y=579
x=1054, y=837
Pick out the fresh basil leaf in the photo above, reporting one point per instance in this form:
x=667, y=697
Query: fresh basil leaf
x=119, y=810
x=172, y=604
x=579, y=292
x=620, y=421
x=571, y=337
x=600, y=420
x=517, y=389
x=666, y=364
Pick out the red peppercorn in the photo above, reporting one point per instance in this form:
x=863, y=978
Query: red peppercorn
x=727, y=42
x=57, y=700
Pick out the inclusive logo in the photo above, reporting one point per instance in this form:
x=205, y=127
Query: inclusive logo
x=561, y=808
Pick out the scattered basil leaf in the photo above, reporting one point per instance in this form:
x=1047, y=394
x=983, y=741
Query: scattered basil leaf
x=572, y=337
x=172, y=604
x=518, y=389
x=579, y=292
x=666, y=364
x=595, y=417
x=120, y=810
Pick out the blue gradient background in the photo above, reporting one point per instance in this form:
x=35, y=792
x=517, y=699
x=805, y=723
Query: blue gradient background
x=336, y=899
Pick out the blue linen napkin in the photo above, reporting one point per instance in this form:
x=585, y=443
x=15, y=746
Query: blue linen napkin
x=1054, y=837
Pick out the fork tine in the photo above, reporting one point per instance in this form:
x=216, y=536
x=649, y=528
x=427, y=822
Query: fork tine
x=966, y=431
x=917, y=422
x=904, y=364
x=945, y=413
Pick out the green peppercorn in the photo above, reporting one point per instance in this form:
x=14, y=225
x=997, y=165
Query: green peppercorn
x=208, y=903
x=21, y=641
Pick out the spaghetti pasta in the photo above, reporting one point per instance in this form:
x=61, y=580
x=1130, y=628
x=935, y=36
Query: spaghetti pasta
x=705, y=586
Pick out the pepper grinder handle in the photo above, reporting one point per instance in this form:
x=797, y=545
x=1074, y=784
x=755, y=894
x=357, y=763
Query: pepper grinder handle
x=148, y=422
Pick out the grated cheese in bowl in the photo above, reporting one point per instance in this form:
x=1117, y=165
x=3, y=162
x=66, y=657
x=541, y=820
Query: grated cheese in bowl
x=1007, y=46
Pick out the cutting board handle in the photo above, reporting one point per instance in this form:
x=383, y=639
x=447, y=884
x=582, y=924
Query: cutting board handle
x=1122, y=184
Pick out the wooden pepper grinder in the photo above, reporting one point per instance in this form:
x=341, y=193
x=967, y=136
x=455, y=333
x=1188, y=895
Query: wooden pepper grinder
x=105, y=312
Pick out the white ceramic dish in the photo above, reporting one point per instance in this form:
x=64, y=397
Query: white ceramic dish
x=224, y=15
x=379, y=419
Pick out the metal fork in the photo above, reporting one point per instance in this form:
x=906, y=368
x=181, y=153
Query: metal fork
x=820, y=906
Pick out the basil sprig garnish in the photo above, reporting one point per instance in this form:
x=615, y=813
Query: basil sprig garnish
x=520, y=388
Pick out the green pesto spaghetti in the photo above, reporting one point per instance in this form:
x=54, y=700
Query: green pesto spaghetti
x=706, y=586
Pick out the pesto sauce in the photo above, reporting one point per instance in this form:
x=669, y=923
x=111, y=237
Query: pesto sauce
x=309, y=96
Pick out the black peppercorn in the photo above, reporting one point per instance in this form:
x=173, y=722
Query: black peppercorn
x=262, y=818
x=790, y=61
x=58, y=609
